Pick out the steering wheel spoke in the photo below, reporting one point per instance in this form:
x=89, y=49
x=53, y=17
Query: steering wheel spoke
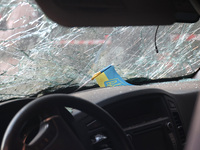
x=54, y=133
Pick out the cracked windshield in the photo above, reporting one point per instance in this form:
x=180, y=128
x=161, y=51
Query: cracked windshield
x=36, y=53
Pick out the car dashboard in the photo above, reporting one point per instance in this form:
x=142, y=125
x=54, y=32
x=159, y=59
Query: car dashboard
x=155, y=116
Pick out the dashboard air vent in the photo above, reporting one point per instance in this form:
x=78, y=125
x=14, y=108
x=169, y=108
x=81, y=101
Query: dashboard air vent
x=98, y=135
x=179, y=126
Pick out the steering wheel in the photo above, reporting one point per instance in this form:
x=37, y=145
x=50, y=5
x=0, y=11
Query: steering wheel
x=54, y=132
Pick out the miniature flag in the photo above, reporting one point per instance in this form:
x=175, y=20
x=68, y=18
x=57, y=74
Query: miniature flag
x=108, y=77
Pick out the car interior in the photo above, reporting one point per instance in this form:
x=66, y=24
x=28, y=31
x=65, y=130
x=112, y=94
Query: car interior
x=143, y=117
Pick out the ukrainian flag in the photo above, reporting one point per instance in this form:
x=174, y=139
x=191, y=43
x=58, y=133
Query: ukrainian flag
x=108, y=77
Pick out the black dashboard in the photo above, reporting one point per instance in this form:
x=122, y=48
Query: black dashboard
x=152, y=118
x=156, y=119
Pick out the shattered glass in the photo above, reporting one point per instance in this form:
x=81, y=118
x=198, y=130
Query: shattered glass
x=36, y=53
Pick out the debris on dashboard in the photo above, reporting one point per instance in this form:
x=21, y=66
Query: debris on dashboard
x=38, y=54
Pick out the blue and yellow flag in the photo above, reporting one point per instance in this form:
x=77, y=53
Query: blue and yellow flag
x=108, y=77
